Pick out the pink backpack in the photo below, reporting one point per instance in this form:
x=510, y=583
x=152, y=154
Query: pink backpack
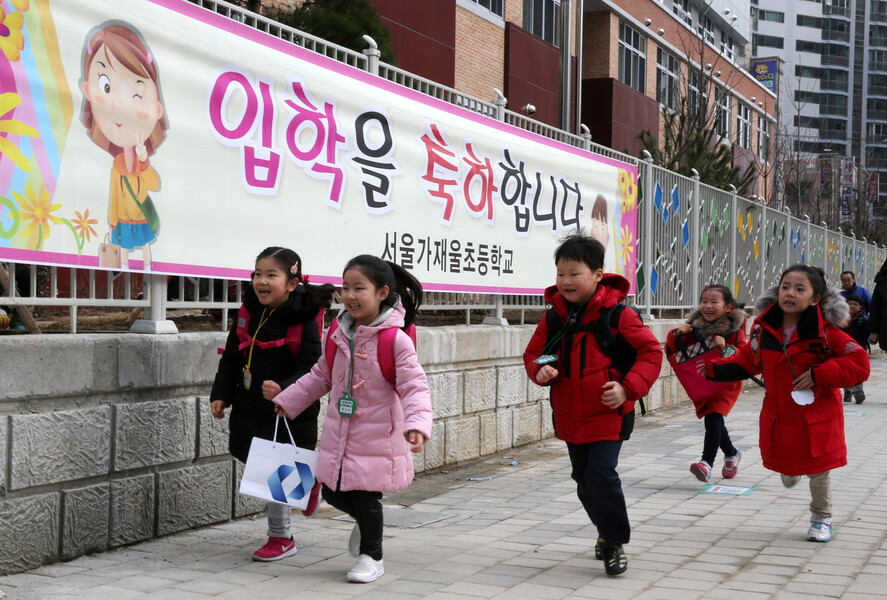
x=385, y=352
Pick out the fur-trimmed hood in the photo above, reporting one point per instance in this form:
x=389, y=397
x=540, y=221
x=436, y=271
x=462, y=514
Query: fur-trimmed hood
x=832, y=304
x=723, y=327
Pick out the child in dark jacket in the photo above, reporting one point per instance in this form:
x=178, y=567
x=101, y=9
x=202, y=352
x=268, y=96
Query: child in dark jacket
x=258, y=363
x=797, y=343
x=592, y=402
x=859, y=331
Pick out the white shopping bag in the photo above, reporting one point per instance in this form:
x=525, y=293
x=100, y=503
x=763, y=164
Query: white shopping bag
x=279, y=472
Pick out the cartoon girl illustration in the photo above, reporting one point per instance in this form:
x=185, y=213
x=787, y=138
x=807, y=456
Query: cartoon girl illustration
x=599, y=221
x=124, y=114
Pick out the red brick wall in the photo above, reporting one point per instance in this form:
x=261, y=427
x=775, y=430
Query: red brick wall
x=480, y=55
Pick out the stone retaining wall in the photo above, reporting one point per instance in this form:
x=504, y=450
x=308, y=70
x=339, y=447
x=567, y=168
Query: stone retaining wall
x=107, y=440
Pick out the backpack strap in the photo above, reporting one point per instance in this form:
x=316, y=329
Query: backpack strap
x=294, y=334
x=385, y=354
x=622, y=354
x=329, y=348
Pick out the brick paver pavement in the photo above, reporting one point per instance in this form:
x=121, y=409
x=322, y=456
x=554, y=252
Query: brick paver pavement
x=520, y=532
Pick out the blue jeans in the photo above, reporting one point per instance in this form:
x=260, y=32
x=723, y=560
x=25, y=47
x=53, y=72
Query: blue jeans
x=600, y=490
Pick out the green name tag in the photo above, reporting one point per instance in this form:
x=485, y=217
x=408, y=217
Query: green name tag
x=545, y=359
x=346, y=405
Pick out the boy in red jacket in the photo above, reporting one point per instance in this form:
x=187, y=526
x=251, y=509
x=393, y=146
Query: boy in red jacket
x=593, y=403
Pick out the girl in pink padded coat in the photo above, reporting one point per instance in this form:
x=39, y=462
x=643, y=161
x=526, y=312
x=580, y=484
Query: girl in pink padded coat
x=370, y=425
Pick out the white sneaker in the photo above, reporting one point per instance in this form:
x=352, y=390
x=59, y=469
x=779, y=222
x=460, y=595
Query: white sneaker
x=820, y=529
x=366, y=570
x=790, y=481
x=354, y=541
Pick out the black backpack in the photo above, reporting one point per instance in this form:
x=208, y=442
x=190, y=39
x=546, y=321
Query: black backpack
x=622, y=354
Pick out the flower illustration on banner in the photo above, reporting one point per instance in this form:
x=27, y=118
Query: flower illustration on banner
x=83, y=225
x=22, y=5
x=8, y=102
x=11, y=39
x=625, y=247
x=38, y=210
x=627, y=191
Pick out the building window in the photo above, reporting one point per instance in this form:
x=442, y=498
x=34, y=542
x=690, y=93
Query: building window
x=708, y=30
x=769, y=41
x=811, y=72
x=667, y=76
x=808, y=21
x=722, y=124
x=771, y=15
x=743, y=137
x=497, y=7
x=682, y=9
x=632, y=57
x=807, y=46
x=764, y=139
x=695, y=85
x=728, y=47
x=541, y=18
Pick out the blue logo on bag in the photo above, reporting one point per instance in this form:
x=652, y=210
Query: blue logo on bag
x=275, y=482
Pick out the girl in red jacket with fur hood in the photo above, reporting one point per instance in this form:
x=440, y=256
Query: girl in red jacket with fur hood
x=806, y=359
x=720, y=321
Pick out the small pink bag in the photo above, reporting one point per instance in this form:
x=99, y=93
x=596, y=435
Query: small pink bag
x=684, y=362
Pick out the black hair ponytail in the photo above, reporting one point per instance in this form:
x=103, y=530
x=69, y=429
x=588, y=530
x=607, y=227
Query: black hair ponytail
x=320, y=296
x=399, y=280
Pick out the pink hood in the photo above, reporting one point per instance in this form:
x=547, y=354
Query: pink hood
x=368, y=451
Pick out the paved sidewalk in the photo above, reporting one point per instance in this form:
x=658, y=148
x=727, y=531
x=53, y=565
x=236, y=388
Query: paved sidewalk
x=520, y=533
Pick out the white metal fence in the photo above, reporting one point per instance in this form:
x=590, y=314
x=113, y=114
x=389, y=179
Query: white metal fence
x=689, y=233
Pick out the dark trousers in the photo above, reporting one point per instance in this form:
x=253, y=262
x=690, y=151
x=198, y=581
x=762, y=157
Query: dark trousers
x=600, y=490
x=716, y=436
x=365, y=508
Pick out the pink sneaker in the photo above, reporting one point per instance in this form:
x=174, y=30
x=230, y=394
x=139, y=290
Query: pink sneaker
x=701, y=470
x=731, y=465
x=313, y=500
x=275, y=549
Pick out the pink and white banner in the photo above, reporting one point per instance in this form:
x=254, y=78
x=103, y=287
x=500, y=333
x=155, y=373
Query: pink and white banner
x=192, y=142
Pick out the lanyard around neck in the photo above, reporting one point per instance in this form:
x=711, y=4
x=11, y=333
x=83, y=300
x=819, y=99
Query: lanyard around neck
x=262, y=320
x=576, y=313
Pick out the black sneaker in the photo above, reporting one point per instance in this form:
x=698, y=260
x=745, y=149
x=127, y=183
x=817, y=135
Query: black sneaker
x=598, y=551
x=860, y=397
x=615, y=561
x=848, y=396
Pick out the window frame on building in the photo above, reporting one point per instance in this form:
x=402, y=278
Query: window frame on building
x=682, y=9
x=549, y=12
x=743, y=125
x=496, y=7
x=723, y=116
x=763, y=139
x=632, y=57
x=668, y=77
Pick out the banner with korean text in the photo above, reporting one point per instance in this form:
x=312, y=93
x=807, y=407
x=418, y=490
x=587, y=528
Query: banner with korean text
x=192, y=142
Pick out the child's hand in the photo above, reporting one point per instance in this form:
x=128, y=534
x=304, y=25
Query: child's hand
x=719, y=341
x=270, y=389
x=804, y=380
x=684, y=328
x=873, y=338
x=279, y=411
x=218, y=408
x=546, y=374
x=416, y=440
x=614, y=395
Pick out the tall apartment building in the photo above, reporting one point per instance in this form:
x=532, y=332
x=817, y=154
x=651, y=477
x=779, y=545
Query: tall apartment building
x=833, y=98
x=612, y=65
